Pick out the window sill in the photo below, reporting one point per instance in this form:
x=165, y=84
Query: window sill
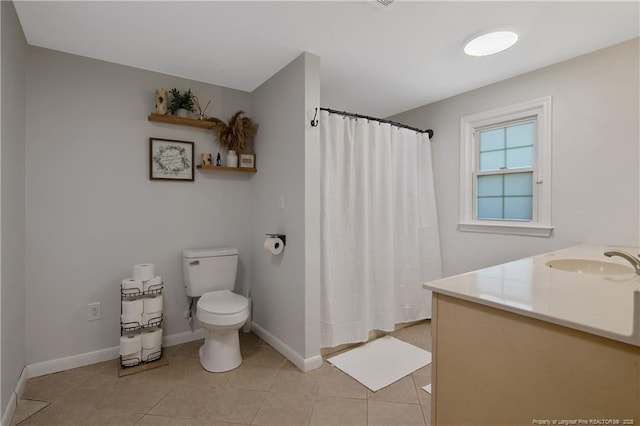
x=527, y=230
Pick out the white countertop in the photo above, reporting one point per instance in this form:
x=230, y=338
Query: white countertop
x=607, y=306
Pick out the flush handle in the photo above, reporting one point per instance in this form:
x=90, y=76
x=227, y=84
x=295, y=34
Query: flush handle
x=194, y=262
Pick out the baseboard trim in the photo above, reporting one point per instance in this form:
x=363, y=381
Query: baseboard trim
x=11, y=409
x=74, y=361
x=7, y=416
x=304, y=364
x=80, y=360
x=22, y=382
x=184, y=337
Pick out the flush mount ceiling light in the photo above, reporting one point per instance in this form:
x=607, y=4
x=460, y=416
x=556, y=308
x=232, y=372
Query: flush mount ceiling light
x=385, y=2
x=491, y=43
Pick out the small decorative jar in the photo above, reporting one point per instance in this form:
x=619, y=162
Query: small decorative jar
x=232, y=159
x=206, y=159
x=161, y=101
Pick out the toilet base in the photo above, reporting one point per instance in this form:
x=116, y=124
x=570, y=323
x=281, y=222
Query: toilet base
x=221, y=351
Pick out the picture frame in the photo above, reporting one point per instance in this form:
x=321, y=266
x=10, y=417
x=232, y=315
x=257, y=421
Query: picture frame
x=247, y=161
x=171, y=159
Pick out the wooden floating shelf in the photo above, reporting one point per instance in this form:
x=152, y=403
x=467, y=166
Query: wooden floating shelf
x=228, y=169
x=203, y=124
x=172, y=119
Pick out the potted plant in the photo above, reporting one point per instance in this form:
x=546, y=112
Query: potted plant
x=235, y=136
x=181, y=104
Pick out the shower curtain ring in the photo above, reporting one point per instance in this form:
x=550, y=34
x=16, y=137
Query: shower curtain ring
x=314, y=122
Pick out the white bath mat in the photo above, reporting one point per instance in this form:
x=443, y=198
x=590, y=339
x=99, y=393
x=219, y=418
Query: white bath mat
x=427, y=388
x=380, y=363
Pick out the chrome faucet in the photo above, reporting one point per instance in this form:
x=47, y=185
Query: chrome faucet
x=634, y=261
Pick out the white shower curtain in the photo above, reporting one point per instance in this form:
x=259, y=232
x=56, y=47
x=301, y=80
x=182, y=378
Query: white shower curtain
x=379, y=227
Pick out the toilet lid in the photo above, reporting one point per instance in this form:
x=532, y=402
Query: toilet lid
x=222, y=302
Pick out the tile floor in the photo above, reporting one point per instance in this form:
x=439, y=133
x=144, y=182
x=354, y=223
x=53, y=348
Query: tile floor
x=265, y=390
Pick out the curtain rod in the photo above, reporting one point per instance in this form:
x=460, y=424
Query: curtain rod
x=381, y=120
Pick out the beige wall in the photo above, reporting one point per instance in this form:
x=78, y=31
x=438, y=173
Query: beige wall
x=280, y=284
x=92, y=211
x=12, y=154
x=595, y=190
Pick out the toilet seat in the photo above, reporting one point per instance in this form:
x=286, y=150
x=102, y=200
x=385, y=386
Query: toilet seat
x=222, y=307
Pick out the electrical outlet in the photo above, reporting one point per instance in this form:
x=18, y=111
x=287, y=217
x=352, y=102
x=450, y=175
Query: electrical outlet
x=95, y=311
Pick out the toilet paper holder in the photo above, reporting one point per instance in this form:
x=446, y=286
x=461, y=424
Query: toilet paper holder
x=283, y=237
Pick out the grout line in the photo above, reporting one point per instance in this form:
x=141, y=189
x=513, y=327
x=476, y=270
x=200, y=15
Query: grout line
x=366, y=414
x=31, y=414
x=258, y=410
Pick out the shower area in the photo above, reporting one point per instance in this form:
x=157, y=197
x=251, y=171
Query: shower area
x=378, y=226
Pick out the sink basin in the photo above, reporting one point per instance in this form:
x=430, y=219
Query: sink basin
x=593, y=267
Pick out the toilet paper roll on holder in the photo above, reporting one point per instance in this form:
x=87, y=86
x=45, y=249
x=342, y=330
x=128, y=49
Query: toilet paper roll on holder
x=283, y=237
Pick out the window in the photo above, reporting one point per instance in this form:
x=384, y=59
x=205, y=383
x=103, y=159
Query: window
x=505, y=170
x=504, y=176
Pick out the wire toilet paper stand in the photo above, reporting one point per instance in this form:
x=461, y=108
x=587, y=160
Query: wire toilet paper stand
x=137, y=323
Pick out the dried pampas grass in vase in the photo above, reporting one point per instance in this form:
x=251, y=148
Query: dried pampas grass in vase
x=237, y=134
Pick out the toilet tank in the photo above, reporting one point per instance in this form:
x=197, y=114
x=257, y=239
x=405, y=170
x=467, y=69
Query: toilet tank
x=210, y=269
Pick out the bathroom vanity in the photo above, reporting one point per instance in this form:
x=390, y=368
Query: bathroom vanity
x=551, y=339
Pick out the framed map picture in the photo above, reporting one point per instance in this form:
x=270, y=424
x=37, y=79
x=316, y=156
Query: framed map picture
x=170, y=159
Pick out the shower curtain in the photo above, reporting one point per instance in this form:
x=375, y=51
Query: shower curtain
x=379, y=227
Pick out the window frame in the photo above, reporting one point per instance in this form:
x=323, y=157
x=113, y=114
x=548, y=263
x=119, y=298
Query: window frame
x=540, y=224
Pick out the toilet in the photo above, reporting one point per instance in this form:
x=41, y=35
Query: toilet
x=210, y=274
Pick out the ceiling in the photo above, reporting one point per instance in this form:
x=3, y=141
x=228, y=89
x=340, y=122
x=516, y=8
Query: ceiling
x=376, y=60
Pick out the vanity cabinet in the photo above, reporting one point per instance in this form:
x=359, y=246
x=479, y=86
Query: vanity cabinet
x=495, y=367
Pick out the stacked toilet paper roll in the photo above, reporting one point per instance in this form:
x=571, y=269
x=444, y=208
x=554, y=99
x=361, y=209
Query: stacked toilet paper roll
x=152, y=304
x=153, y=284
x=143, y=271
x=131, y=349
x=132, y=310
x=132, y=287
x=152, y=310
x=151, y=345
x=144, y=280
